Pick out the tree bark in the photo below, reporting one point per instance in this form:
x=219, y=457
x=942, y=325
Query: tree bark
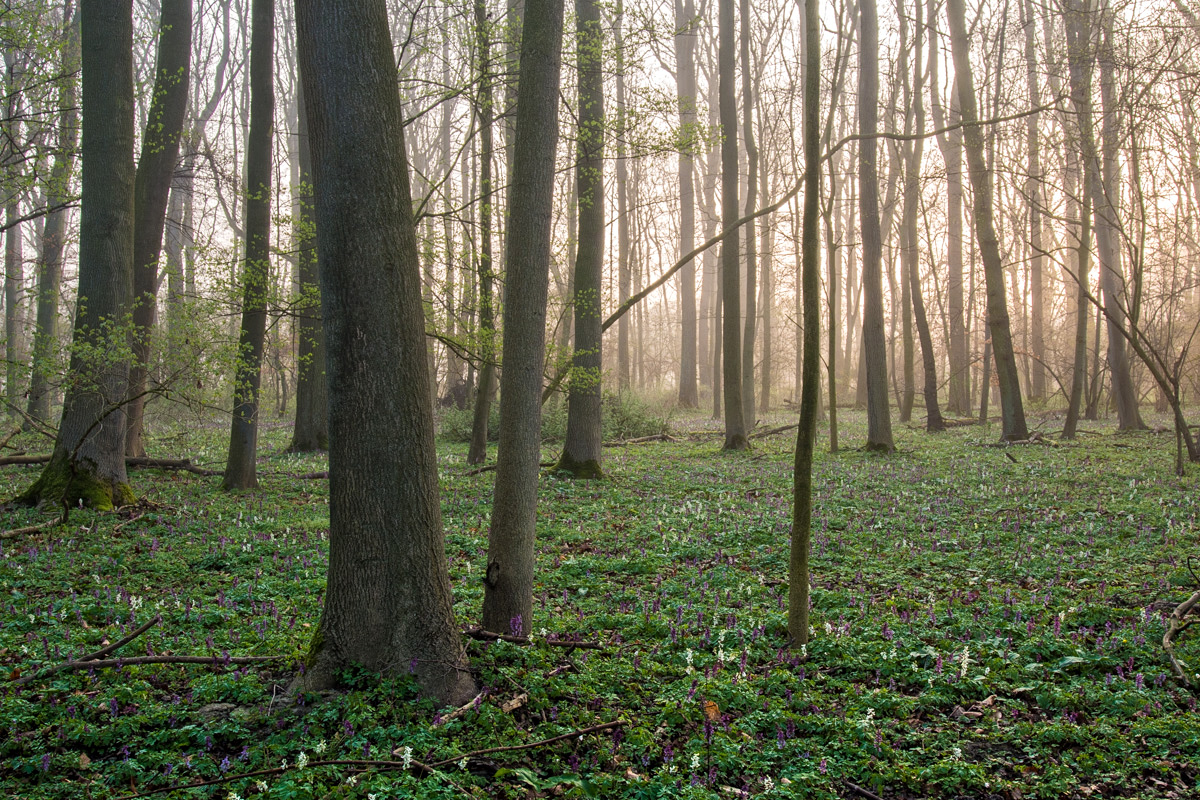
x=879, y=424
x=801, y=534
x=685, y=75
x=735, y=425
x=311, y=430
x=388, y=604
x=582, y=452
x=508, y=585
x=1012, y=410
x=54, y=233
x=240, y=472
x=88, y=462
x=751, y=249
x=151, y=188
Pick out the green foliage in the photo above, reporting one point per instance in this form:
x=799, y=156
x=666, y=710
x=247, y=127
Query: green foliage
x=982, y=628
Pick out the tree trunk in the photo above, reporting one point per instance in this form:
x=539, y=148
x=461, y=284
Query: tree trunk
x=1012, y=411
x=802, y=507
x=54, y=234
x=581, y=451
x=14, y=261
x=88, y=462
x=1033, y=198
x=508, y=582
x=879, y=424
x=388, y=604
x=685, y=65
x=950, y=144
x=311, y=431
x=751, y=249
x=735, y=425
x=477, y=453
x=240, y=470
x=624, y=273
x=1107, y=194
x=152, y=186
x=912, y=253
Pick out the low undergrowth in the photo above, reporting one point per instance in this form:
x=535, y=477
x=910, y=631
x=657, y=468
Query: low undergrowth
x=982, y=628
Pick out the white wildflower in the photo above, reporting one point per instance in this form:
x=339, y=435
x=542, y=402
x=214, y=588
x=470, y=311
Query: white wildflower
x=302, y=760
x=319, y=747
x=233, y=796
x=966, y=659
x=407, y=757
x=462, y=764
x=353, y=779
x=260, y=785
x=695, y=761
x=688, y=655
x=828, y=629
x=768, y=784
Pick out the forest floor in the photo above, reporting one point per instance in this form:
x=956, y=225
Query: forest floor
x=988, y=623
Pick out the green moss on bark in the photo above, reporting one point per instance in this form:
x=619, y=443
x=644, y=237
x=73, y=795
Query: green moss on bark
x=588, y=469
x=59, y=485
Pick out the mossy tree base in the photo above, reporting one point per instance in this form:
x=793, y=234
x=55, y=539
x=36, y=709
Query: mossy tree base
x=587, y=469
x=60, y=485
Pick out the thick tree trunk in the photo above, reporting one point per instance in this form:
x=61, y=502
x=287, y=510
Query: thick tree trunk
x=54, y=233
x=152, y=186
x=879, y=424
x=311, y=430
x=88, y=462
x=1033, y=198
x=685, y=65
x=240, y=472
x=1012, y=410
x=735, y=425
x=581, y=451
x=508, y=581
x=14, y=261
x=388, y=605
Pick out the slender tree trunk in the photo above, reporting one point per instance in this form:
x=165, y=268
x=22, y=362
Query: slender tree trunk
x=388, y=605
x=802, y=507
x=1012, y=410
x=1033, y=197
x=477, y=452
x=508, y=581
x=751, y=250
x=685, y=66
x=14, y=261
x=311, y=431
x=152, y=186
x=1082, y=267
x=735, y=425
x=879, y=425
x=581, y=451
x=240, y=472
x=950, y=144
x=624, y=274
x=54, y=234
x=1108, y=228
x=88, y=462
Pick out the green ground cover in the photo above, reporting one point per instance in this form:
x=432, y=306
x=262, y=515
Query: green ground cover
x=985, y=626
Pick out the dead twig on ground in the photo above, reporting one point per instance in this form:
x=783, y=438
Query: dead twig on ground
x=92, y=656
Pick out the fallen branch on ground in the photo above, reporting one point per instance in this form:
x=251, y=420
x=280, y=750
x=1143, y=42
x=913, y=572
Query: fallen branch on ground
x=478, y=633
x=492, y=468
x=212, y=661
x=1177, y=625
x=773, y=431
x=41, y=526
x=657, y=437
x=131, y=461
x=531, y=745
x=92, y=656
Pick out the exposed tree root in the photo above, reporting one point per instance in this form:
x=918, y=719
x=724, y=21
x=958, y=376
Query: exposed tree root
x=1177, y=625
